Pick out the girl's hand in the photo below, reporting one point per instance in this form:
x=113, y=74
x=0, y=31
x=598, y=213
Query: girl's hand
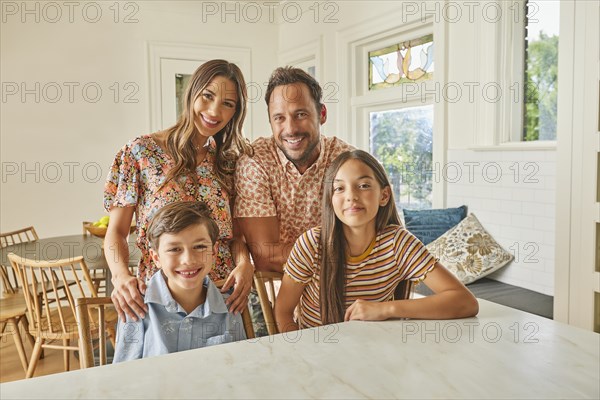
x=241, y=280
x=363, y=310
x=127, y=297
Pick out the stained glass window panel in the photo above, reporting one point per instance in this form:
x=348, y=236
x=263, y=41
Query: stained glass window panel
x=408, y=61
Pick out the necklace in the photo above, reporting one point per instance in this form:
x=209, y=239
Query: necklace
x=199, y=147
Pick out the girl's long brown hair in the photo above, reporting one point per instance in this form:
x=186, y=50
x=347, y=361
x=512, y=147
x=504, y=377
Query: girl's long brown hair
x=230, y=142
x=333, y=245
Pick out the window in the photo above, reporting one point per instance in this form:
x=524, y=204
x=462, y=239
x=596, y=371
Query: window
x=401, y=132
x=390, y=77
x=541, y=33
x=402, y=140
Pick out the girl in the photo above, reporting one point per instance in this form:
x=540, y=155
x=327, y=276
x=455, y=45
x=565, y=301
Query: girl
x=347, y=269
x=194, y=160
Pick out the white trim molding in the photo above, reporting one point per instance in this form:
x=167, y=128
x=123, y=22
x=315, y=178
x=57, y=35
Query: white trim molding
x=304, y=54
x=577, y=281
x=500, y=65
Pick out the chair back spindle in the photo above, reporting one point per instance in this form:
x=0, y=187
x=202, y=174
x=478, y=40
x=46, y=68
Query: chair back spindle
x=19, y=236
x=10, y=282
x=95, y=326
x=267, y=298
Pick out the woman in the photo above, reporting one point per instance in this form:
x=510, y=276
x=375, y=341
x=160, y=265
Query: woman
x=194, y=160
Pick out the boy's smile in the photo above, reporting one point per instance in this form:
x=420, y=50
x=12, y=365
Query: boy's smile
x=189, y=274
x=185, y=257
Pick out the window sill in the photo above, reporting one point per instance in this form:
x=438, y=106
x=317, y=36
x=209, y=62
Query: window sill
x=546, y=145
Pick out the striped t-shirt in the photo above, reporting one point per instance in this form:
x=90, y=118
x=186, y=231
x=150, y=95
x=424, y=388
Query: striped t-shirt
x=393, y=256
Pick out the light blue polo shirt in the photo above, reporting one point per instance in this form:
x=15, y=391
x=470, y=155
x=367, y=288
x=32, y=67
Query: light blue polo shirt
x=167, y=328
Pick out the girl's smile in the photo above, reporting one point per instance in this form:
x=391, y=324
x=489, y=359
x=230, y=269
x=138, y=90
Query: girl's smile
x=353, y=209
x=357, y=195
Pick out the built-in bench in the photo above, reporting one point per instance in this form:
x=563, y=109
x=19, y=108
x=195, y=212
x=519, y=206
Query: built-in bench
x=458, y=228
x=507, y=295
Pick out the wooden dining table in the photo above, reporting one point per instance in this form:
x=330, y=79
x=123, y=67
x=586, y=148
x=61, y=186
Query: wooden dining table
x=61, y=247
x=501, y=353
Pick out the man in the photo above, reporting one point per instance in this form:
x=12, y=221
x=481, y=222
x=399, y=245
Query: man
x=279, y=188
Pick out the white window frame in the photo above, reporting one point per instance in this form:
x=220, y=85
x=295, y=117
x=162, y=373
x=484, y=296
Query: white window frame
x=499, y=126
x=357, y=102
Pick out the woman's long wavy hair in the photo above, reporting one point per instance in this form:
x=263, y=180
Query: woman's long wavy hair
x=230, y=141
x=333, y=245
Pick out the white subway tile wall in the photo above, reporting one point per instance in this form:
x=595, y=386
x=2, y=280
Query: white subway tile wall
x=513, y=195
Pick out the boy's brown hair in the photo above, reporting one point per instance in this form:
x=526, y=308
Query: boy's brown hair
x=175, y=217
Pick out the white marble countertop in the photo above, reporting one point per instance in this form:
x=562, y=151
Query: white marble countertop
x=503, y=353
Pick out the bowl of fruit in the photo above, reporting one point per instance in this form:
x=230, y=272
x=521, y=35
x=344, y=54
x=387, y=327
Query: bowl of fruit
x=99, y=227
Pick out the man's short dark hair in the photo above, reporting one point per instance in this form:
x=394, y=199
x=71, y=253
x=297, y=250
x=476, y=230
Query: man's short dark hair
x=290, y=75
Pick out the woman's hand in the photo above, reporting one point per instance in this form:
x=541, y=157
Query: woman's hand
x=127, y=297
x=128, y=290
x=241, y=279
x=367, y=311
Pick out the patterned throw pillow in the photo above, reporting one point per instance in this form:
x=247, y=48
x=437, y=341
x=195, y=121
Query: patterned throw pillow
x=428, y=225
x=469, y=251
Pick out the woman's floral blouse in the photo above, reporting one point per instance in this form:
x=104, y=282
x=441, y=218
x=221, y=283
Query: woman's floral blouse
x=138, y=171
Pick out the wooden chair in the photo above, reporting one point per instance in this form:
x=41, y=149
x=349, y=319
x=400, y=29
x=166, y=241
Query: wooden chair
x=23, y=235
x=95, y=327
x=10, y=281
x=85, y=232
x=246, y=319
x=12, y=312
x=19, y=236
x=267, y=299
x=8, y=287
x=52, y=314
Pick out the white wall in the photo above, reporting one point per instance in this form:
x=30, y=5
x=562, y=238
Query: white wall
x=68, y=145
x=520, y=215
x=512, y=193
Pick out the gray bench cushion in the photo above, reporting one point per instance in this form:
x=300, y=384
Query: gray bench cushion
x=507, y=295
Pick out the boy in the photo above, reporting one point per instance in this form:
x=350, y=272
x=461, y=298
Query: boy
x=185, y=309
